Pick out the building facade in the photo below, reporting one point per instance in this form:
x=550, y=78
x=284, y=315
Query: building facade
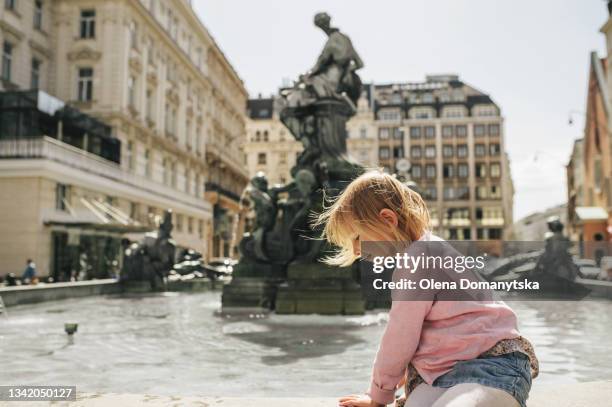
x=270, y=147
x=453, y=136
x=150, y=71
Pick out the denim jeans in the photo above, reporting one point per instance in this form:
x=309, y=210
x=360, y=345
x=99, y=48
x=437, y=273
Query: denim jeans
x=510, y=372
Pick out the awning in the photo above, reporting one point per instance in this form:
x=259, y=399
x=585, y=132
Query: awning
x=591, y=213
x=96, y=215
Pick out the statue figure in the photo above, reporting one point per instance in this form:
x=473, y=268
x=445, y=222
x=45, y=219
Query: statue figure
x=153, y=258
x=264, y=202
x=333, y=75
x=556, y=259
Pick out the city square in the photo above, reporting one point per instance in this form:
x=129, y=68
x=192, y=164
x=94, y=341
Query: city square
x=195, y=196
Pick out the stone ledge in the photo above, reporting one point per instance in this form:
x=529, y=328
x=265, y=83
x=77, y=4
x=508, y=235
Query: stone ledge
x=591, y=394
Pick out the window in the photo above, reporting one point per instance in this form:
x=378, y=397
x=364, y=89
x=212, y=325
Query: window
x=265, y=136
x=448, y=171
x=430, y=151
x=462, y=192
x=132, y=91
x=495, y=233
x=398, y=134
x=447, y=131
x=383, y=152
x=150, y=104
x=461, y=130
x=430, y=193
x=389, y=115
x=481, y=170
x=481, y=192
x=430, y=132
x=198, y=186
x=415, y=132
x=454, y=111
x=282, y=158
x=415, y=171
x=61, y=197
x=422, y=113
x=495, y=170
x=463, y=170
x=494, y=149
x=190, y=225
x=179, y=223
x=430, y=171
x=187, y=187
x=38, y=14
x=447, y=151
x=170, y=120
x=7, y=60
x=85, y=85
x=261, y=158
x=151, y=55
x=398, y=152
x=10, y=4
x=129, y=152
x=198, y=142
x=448, y=193
x=147, y=159
x=495, y=192
x=201, y=229
x=35, y=74
x=462, y=151
x=383, y=133
x=173, y=174
x=479, y=130
x=428, y=98
x=493, y=130
x=133, y=34
x=88, y=24
x=363, y=132
x=480, y=150
x=415, y=152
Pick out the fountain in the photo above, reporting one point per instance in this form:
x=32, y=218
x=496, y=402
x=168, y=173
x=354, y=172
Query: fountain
x=150, y=261
x=553, y=266
x=280, y=265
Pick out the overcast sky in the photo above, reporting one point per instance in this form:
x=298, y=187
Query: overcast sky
x=531, y=56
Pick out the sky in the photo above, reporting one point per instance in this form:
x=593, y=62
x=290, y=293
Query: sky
x=530, y=56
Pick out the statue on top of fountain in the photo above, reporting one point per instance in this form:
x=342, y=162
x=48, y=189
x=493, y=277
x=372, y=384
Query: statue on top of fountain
x=315, y=110
x=333, y=75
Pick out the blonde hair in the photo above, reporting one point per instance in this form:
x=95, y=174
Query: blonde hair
x=361, y=202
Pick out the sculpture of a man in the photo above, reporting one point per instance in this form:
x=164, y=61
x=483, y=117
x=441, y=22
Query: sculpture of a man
x=333, y=75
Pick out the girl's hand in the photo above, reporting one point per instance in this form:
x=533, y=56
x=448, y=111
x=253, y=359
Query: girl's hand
x=358, y=401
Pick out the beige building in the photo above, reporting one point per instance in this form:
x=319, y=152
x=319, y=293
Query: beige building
x=270, y=147
x=151, y=71
x=453, y=136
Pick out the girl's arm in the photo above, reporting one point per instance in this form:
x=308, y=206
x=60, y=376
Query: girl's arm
x=397, y=347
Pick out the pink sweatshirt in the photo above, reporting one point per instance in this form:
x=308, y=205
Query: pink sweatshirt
x=434, y=335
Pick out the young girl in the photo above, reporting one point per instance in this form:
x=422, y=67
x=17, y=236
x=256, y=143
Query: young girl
x=444, y=353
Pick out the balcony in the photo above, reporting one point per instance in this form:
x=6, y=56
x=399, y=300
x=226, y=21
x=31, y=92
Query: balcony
x=46, y=148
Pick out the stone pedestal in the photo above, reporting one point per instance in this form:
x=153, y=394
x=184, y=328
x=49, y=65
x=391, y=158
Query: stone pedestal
x=253, y=285
x=316, y=288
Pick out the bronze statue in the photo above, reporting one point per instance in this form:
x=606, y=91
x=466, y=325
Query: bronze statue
x=315, y=110
x=153, y=258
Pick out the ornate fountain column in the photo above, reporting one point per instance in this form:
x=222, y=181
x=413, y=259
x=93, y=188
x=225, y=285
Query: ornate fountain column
x=281, y=265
